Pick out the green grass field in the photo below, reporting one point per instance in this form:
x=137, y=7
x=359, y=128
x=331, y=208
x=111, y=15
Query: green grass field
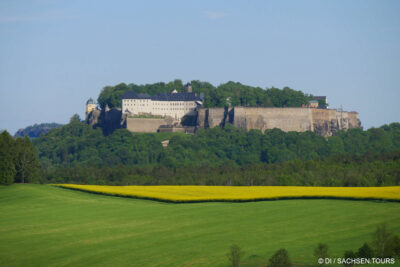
x=49, y=226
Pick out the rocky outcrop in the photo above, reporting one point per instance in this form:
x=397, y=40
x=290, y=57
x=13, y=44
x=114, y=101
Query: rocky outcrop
x=93, y=118
x=327, y=122
x=108, y=120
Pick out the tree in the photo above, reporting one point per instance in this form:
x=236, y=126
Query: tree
x=381, y=241
x=349, y=255
x=394, y=246
x=26, y=161
x=321, y=251
x=280, y=259
x=365, y=252
x=235, y=255
x=75, y=119
x=7, y=154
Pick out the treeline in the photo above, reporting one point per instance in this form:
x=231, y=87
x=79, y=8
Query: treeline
x=76, y=144
x=230, y=93
x=76, y=153
x=18, y=160
x=349, y=170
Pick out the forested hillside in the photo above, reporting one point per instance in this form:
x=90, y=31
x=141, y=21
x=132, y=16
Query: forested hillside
x=77, y=153
x=77, y=144
x=235, y=94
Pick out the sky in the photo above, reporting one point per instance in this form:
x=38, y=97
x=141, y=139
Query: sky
x=55, y=55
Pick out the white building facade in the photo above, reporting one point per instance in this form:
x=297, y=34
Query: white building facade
x=175, y=105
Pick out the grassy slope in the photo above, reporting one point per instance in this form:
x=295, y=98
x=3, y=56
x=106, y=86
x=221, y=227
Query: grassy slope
x=49, y=226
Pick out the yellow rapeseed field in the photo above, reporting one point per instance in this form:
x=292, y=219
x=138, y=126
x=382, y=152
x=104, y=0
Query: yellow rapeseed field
x=176, y=193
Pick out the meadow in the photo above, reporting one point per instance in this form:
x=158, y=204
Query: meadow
x=42, y=225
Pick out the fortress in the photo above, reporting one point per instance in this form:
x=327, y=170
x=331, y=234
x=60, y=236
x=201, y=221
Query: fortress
x=324, y=122
x=183, y=112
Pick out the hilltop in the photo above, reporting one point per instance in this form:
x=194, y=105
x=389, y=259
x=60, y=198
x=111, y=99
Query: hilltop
x=227, y=94
x=34, y=131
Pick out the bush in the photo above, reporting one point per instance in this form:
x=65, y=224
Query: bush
x=280, y=259
x=394, y=246
x=381, y=240
x=349, y=255
x=365, y=252
x=321, y=252
x=235, y=255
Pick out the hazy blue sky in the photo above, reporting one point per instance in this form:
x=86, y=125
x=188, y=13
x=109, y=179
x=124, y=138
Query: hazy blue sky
x=54, y=55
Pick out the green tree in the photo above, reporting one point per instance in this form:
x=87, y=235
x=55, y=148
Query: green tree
x=280, y=259
x=7, y=154
x=75, y=119
x=321, y=251
x=349, y=255
x=381, y=241
x=26, y=162
x=235, y=254
x=394, y=246
x=365, y=251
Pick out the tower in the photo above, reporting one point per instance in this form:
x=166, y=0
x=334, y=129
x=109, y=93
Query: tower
x=90, y=106
x=188, y=87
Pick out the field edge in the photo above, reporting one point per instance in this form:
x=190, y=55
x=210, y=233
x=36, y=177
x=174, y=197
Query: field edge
x=227, y=200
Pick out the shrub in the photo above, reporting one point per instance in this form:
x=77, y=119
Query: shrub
x=321, y=252
x=348, y=256
x=381, y=240
x=365, y=251
x=235, y=255
x=280, y=259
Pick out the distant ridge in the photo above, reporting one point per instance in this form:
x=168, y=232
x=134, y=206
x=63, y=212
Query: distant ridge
x=34, y=131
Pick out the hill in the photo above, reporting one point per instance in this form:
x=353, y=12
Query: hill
x=230, y=93
x=229, y=156
x=36, y=130
x=48, y=226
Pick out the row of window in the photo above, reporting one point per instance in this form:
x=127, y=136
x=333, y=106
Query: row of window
x=189, y=103
x=185, y=109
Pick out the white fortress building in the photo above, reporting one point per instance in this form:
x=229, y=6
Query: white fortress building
x=174, y=104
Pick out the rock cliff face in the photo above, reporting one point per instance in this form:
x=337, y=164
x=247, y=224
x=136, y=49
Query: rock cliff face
x=327, y=122
x=109, y=120
x=324, y=122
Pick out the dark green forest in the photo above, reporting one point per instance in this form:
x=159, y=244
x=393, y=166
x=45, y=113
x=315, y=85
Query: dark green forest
x=230, y=93
x=76, y=153
x=18, y=160
x=77, y=144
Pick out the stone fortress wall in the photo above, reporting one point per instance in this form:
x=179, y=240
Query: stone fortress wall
x=286, y=119
x=324, y=122
x=143, y=125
